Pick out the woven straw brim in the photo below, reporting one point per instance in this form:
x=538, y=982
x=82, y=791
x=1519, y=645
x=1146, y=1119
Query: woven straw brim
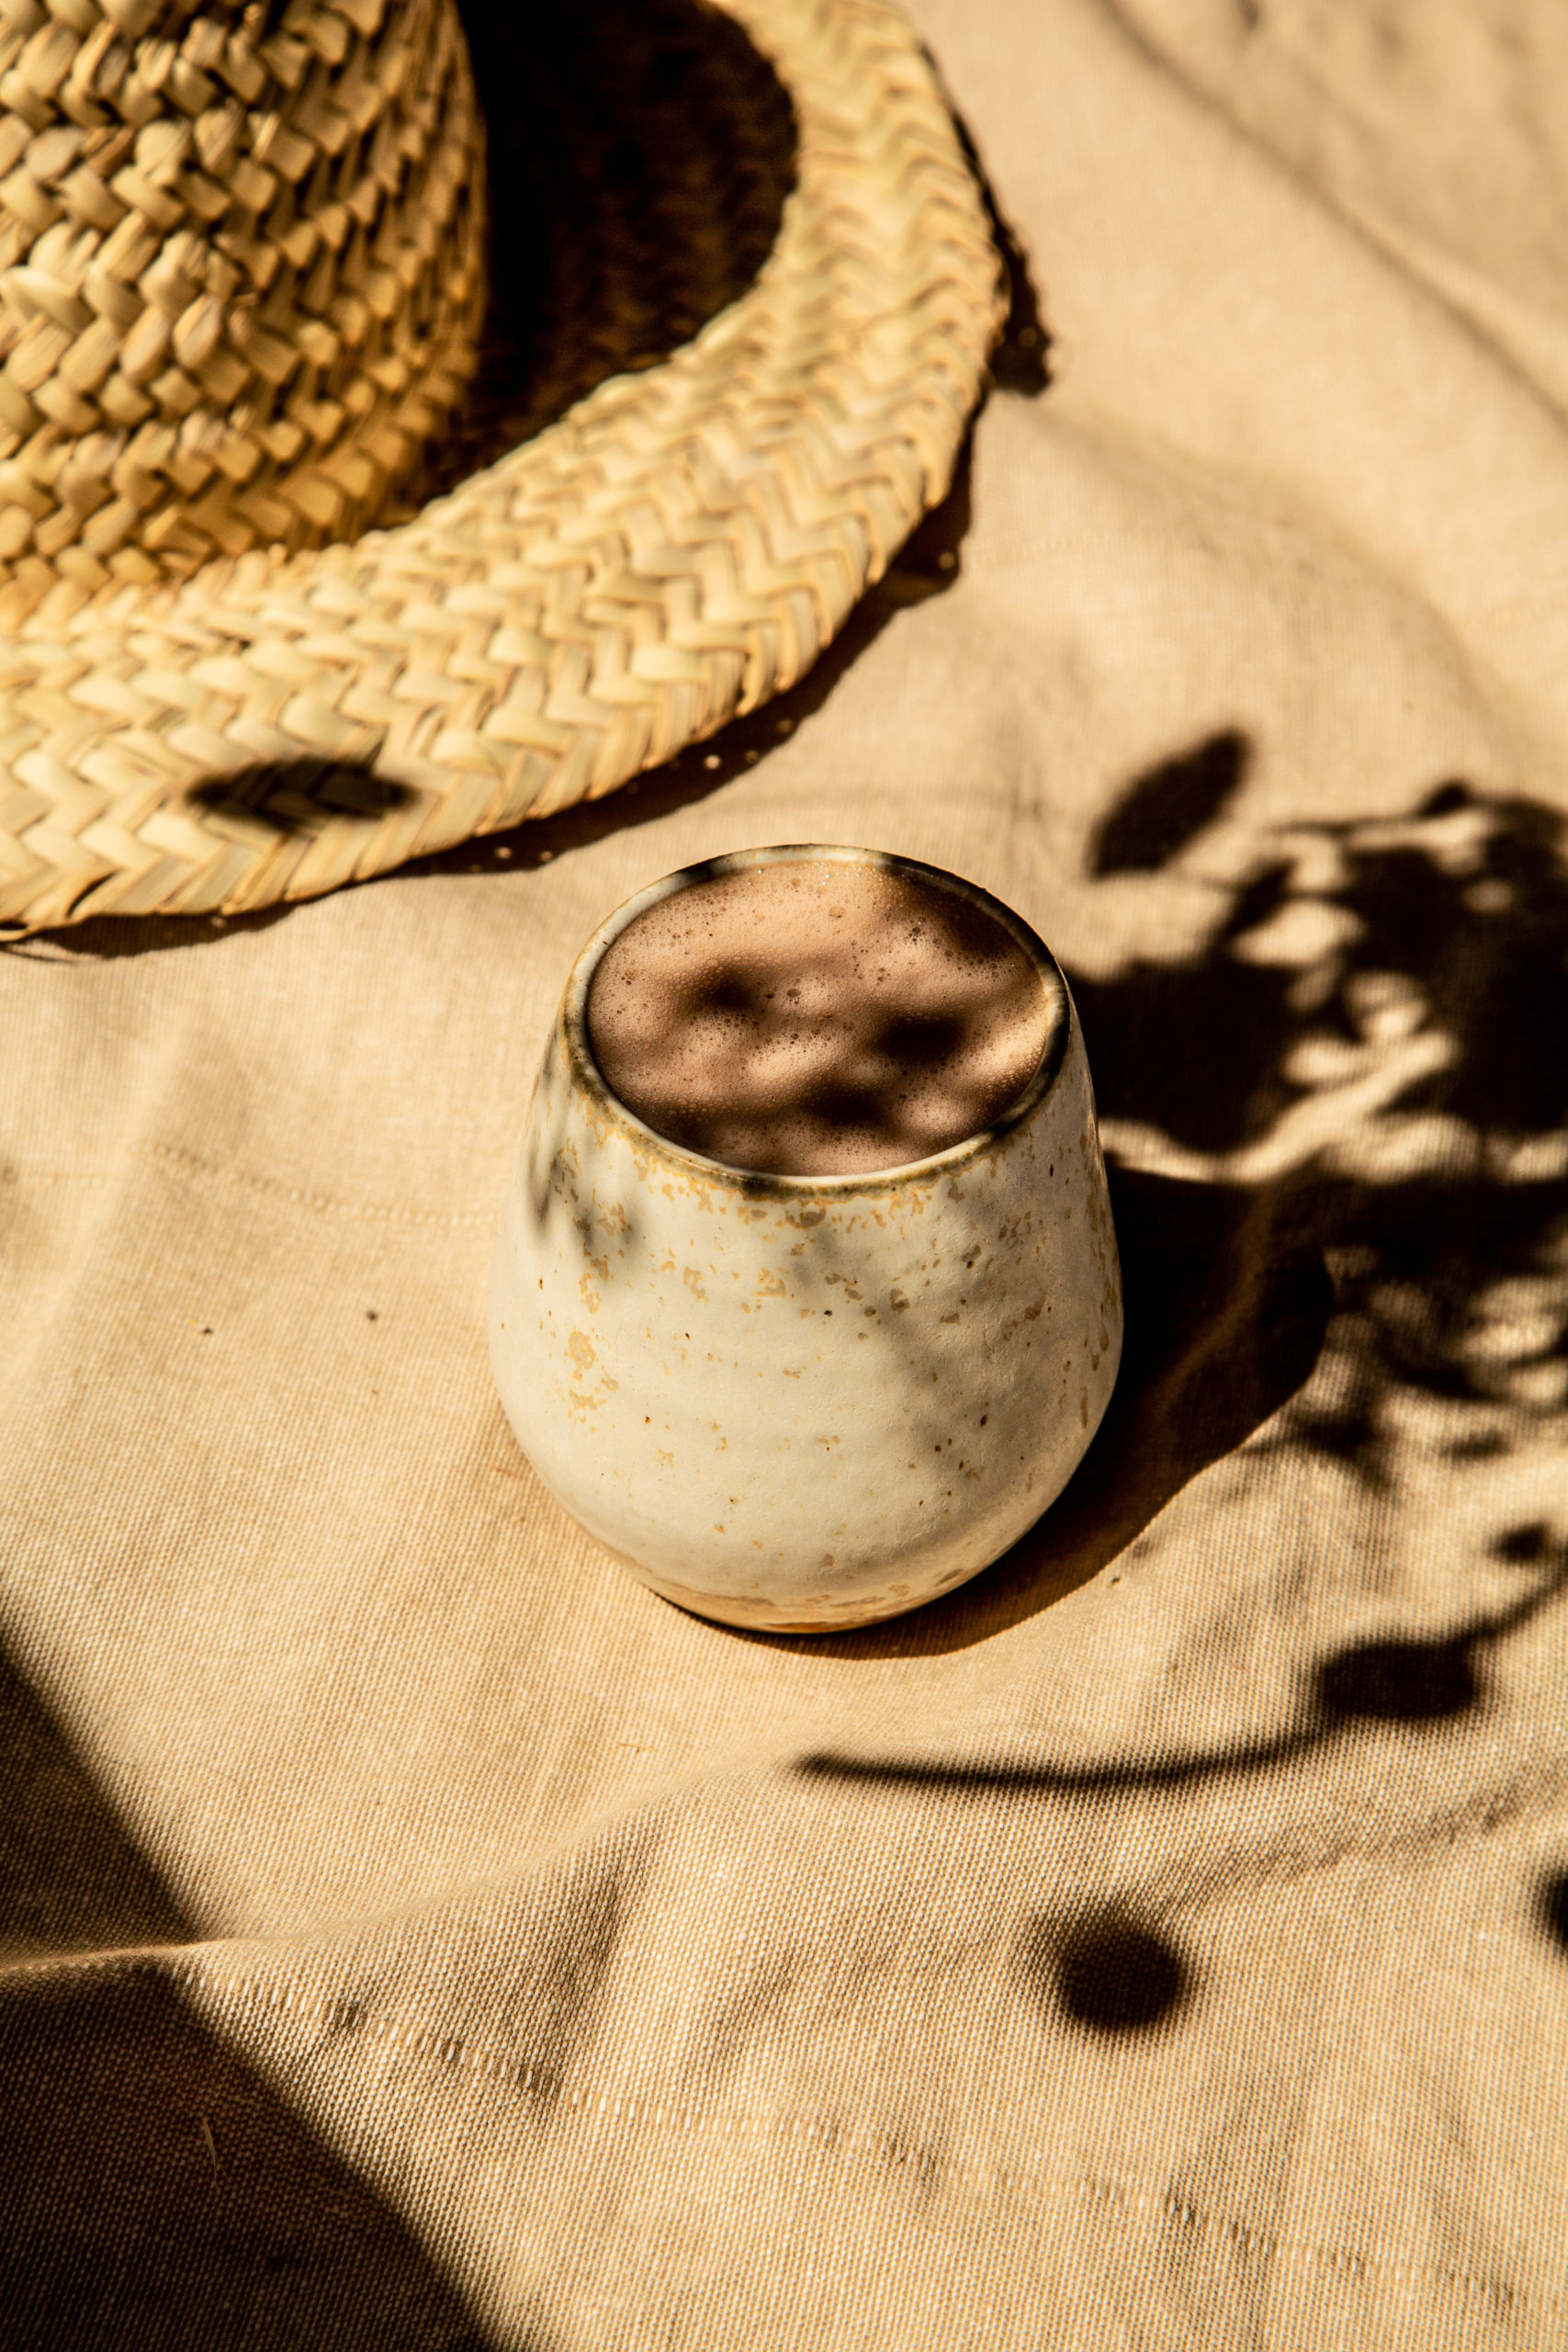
x=679, y=546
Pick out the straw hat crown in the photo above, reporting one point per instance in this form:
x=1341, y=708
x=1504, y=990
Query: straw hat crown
x=240, y=277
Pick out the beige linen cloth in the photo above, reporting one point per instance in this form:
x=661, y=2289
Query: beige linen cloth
x=418, y=1935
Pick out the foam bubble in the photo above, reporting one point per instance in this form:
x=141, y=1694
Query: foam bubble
x=816, y=1019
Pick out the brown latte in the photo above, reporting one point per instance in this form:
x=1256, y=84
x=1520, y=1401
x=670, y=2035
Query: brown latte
x=813, y=1018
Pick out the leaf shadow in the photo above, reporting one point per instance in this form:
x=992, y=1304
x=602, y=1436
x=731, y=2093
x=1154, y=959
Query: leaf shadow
x=1224, y=1319
x=1357, y=1090
x=1413, y=1682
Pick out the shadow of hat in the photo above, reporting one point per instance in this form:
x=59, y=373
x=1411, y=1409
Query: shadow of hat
x=611, y=458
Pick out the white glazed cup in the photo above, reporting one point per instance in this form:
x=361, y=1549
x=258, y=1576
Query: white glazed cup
x=804, y=1403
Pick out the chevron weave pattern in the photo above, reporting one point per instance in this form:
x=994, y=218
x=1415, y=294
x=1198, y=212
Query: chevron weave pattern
x=678, y=547
x=222, y=321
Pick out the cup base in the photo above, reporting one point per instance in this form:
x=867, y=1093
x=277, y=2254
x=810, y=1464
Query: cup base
x=759, y=1616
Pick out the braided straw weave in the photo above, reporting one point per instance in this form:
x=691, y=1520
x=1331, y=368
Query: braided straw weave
x=224, y=322
x=679, y=546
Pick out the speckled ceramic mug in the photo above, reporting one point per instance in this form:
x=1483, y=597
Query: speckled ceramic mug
x=802, y=1402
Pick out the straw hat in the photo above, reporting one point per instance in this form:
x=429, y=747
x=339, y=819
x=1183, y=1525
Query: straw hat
x=246, y=332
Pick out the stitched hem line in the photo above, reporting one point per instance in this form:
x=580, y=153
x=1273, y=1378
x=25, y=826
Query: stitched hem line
x=190, y=1164
x=885, y=2151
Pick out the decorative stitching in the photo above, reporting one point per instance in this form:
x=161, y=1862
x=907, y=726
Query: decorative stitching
x=190, y=1163
x=451, y=2051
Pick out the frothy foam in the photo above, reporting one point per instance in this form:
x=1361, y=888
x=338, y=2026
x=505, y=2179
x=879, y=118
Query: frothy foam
x=816, y=1019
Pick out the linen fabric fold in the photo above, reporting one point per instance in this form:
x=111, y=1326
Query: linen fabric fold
x=415, y=1933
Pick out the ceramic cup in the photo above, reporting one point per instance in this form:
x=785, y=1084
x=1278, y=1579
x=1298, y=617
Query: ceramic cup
x=802, y=1402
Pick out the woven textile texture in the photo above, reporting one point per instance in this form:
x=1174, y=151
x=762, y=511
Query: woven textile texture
x=417, y=1935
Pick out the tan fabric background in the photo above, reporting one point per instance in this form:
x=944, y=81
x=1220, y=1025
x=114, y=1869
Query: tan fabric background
x=1164, y=1942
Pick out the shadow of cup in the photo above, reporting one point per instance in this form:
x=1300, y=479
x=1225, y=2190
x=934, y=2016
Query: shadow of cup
x=1225, y=1314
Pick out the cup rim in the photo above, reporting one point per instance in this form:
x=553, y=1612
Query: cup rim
x=764, y=1184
